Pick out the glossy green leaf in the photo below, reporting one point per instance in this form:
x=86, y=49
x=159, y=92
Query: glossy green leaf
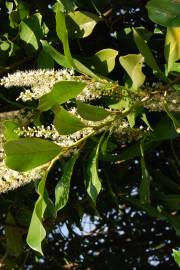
x=91, y=112
x=144, y=189
x=31, y=31
x=55, y=55
x=63, y=186
x=61, y=92
x=93, y=181
x=176, y=67
x=102, y=62
x=9, y=128
x=145, y=51
x=65, y=122
x=61, y=60
x=164, y=12
x=176, y=255
x=80, y=24
x=37, y=233
x=14, y=242
x=27, y=153
x=132, y=63
x=172, y=47
x=28, y=36
x=62, y=33
x=44, y=60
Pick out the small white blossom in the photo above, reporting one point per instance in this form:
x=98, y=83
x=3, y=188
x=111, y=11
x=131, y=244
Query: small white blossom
x=10, y=179
x=39, y=81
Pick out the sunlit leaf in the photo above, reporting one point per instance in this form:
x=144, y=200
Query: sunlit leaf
x=145, y=51
x=62, y=33
x=176, y=67
x=61, y=60
x=91, y=112
x=9, y=127
x=61, y=92
x=102, y=62
x=65, y=122
x=27, y=35
x=93, y=181
x=63, y=186
x=27, y=153
x=55, y=55
x=37, y=233
x=176, y=255
x=31, y=31
x=132, y=63
x=80, y=24
x=172, y=47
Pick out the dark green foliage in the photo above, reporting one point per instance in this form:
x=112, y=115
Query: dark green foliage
x=109, y=198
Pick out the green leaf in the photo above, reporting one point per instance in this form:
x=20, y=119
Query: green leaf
x=45, y=60
x=90, y=112
x=37, y=233
x=65, y=122
x=14, y=242
x=62, y=33
x=28, y=36
x=132, y=63
x=31, y=31
x=102, y=62
x=93, y=182
x=84, y=70
x=144, y=189
x=61, y=60
x=27, y=153
x=9, y=6
x=164, y=12
x=176, y=255
x=176, y=121
x=172, y=47
x=68, y=5
x=80, y=24
x=145, y=51
x=63, y=186
x=55, y=55
x=176, y=68
x=61, y=92
x=9, y=128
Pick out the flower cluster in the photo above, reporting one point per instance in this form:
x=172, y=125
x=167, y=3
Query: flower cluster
x=51, y=133
x=10, y=179
x=39, y=81
x=96, y=90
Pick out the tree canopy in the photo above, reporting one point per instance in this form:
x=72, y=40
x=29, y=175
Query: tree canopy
x=90, y=123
